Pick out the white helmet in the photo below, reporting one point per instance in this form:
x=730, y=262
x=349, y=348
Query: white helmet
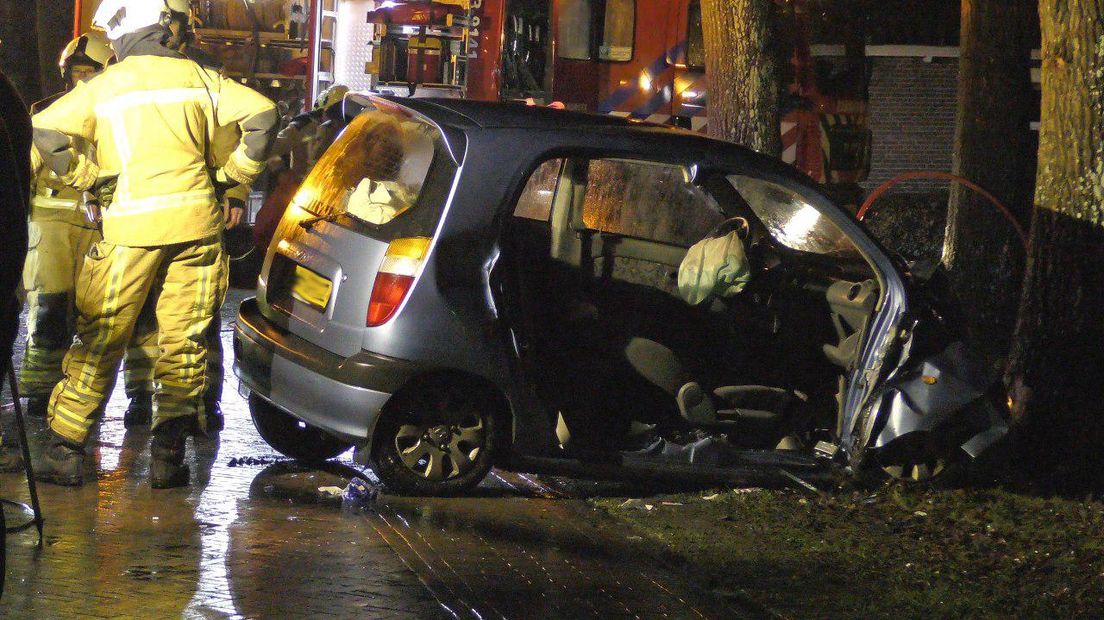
x=122, y=17
x=91, y=48
x=330, y=96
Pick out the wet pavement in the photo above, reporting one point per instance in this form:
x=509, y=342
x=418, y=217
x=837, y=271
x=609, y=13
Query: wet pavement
x=253, y=538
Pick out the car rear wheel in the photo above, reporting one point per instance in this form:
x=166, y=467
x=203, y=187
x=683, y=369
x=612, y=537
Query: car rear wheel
x=292, y=437
x=439, y=440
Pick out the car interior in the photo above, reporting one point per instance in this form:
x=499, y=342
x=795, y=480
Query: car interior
x=618, y=355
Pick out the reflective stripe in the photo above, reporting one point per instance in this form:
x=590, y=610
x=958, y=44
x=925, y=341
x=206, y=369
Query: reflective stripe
x=245, y=164
x=45, y=202
x=105, y=322
x=126, y=207
x=114, y=108
x=71, y=419
x=147, y=97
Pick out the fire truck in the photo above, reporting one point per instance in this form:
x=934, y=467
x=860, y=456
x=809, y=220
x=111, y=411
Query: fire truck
x=641, y=59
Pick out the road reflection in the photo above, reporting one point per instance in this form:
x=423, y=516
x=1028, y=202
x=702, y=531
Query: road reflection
x=259, y=541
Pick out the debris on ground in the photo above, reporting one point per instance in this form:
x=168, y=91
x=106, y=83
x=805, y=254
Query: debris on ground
x=636, y=504
x=359, y=494
x=247, y=461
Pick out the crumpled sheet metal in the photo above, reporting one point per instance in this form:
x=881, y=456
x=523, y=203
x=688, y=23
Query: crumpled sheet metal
x=942, y=386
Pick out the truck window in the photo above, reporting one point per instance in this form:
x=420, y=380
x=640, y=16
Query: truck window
x=578, y=38
x=618, y=30
x=647, y=200
x=695, y=40
x=574, y=29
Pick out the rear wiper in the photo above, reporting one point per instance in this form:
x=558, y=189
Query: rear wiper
x=309, y=223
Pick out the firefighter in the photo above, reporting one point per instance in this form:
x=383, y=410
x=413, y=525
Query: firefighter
x=60, y=234
x=308, y=135
x=138, y=366
x=151, y=117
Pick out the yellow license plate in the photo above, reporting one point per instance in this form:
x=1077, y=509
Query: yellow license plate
x=310, y=288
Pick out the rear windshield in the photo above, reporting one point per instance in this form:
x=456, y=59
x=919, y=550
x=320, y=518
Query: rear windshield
x=382, y=169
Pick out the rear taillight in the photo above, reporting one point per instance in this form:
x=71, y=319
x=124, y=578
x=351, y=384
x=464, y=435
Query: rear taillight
x=395, y=277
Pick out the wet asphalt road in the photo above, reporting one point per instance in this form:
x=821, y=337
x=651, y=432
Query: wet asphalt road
x=259, y=541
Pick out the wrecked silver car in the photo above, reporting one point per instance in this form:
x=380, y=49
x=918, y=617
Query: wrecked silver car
x=461, y=285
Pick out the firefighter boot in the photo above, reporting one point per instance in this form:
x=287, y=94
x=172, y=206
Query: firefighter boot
x=139, y=412
x=62, y=462
x=167, y=468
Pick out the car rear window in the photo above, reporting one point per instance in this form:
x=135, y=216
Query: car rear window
x=379, y=171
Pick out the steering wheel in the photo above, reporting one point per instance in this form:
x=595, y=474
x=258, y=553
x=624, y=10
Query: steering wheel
x=738, y=224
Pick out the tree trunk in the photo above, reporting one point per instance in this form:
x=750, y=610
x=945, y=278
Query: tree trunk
x=1057, y=368
x=742, y=67
x=981, y=251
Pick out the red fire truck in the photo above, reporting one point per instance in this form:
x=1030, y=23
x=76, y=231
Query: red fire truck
x=642, y=59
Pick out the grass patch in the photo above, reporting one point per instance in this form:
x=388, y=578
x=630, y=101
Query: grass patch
x=900, y=552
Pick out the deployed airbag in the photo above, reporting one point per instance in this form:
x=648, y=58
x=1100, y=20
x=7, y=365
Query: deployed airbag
x=714, y=266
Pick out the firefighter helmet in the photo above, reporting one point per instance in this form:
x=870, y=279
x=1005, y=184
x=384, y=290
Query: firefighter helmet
x=91, y=48
x=330, y=96
x=122, y=17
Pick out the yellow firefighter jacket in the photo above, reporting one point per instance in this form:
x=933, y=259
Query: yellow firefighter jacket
x=153, y=122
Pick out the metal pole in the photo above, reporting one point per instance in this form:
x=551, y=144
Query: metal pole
x=27, y=468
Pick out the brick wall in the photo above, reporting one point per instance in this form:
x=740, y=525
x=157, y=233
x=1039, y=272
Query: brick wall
x=912, y=117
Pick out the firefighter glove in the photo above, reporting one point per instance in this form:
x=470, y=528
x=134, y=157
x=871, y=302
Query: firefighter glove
x=104, y=190
x=222, y=183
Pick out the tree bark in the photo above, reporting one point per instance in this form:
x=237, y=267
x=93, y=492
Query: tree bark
x=981, y=251
x=1056, y=374
x=743, y=72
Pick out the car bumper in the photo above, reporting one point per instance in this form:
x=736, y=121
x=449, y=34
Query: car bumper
x=340, y=395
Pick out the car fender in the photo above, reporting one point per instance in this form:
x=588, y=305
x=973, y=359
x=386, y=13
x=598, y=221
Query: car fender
x=938, y=388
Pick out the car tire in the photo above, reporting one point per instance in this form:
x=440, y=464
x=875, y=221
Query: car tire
x=292, y=437
x=439, y=440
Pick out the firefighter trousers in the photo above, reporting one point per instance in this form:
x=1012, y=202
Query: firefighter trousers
x=58, y=243
x=141, y=356
x=187, y=282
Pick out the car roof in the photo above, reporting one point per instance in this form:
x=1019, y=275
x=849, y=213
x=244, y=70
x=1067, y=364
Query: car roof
x=516, y=115
x=637, y=137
